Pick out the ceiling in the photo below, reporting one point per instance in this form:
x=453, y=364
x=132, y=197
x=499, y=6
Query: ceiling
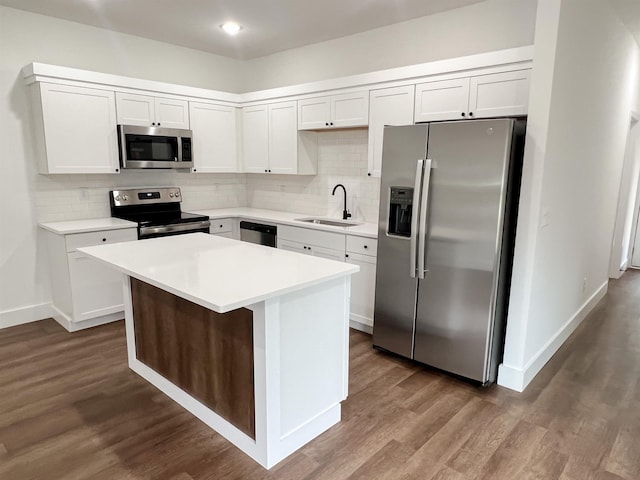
x=269, y=26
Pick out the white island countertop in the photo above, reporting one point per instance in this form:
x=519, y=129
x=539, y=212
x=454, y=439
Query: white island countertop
x=218, y=273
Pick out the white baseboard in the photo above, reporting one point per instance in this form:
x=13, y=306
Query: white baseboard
x=71, y=326
x=516, y=378
x=19, y=316
x=363, y=327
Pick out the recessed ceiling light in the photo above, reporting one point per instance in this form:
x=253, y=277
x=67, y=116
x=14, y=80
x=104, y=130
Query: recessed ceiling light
x=232, y=28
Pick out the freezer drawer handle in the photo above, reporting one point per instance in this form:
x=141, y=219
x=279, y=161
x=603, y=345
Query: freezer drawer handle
x=424, y=208
x=414, y=219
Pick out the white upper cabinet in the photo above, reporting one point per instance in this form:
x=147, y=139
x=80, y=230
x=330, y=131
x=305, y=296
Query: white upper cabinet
x=442, y=100
x=271, y=141
x=75, y=129
x=255, y=139
x=147, y=111
x=500, y=94
x=283, y=138
x=215, y=148
x=335, y=111
x=387, y=106
x=481, y=96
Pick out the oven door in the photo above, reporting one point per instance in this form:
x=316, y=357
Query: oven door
x=154, y=147
x=176, y=229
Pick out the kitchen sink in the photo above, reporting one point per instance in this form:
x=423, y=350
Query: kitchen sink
x=328, y=221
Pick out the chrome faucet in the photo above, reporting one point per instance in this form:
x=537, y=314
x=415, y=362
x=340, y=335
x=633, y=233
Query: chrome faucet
x=345, y=212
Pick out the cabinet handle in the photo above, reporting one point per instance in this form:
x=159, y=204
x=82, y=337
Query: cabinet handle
x=365, y=247
x=331, y=124
x=220, y=226
x=158, y=123
x=117, y=170
x=471, y=114
x=369, y=174
x=195, y=170
x=104, y=239
x=463, y=114
x=269, y=170
x=153, y=123
x=326, y=124
x=346, y=255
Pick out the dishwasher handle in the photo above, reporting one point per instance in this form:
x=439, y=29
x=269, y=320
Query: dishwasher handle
x=259, y=227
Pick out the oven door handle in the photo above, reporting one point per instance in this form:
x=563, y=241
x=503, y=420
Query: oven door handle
x=180, y=227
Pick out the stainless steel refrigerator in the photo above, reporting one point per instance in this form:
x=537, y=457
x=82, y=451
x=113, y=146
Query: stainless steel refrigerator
x=445, y=242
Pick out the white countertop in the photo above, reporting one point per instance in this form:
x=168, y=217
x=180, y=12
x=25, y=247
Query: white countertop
x=288, y=218
x=218, y=273
x=91, y=225
x=369, y=230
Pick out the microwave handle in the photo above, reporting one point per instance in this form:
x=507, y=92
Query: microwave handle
x=179, y=148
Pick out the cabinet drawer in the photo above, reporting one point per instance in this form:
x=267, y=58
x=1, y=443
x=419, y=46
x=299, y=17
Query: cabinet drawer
x=308, y=236
x=362, y=245
x=221, y=225
x=88, y=239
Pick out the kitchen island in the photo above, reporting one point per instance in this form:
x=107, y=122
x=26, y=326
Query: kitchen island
x=250, y=339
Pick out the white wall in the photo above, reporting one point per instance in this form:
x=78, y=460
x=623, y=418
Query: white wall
x=573, y=167
x=483, y=27
x=30, y=197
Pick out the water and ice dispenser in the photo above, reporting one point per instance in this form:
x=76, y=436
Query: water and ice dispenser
x=400, y=207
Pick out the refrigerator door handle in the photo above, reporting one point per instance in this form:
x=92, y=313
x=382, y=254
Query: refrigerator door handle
x=414, y=219
x=424, y=207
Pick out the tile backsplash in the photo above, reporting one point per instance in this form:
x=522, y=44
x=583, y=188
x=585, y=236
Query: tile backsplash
x=342, y=158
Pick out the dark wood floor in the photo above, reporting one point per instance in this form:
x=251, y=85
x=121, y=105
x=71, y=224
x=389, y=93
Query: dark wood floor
x=71, y=409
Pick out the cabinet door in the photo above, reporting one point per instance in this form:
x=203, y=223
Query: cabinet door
x=442, y=100
x=79, y=129
x=388, y=106
x=135, y=109
x=363, y=288
x=97, y=288
x=314, y=113
x=172, y=113
x=214, y=138
x=328, y=253
x=293, y=247
x=283, y=138
x=350, y=110
x=500, y=94
x=255, y=139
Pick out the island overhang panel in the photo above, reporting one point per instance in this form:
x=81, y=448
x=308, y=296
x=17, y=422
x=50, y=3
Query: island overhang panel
x=288, y=354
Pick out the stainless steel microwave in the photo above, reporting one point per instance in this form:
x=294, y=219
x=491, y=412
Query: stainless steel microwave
x=154, y=147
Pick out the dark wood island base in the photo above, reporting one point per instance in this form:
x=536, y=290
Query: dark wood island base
x=209, y=355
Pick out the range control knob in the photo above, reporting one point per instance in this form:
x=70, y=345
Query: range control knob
x=125, y=198
x=177, y=194
x=171, y=194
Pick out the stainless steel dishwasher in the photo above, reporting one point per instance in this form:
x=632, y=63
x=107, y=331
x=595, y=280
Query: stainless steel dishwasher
x=259, y=233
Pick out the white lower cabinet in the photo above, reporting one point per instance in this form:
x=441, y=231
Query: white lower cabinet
x=353, y=249
x=223, y=227
x=362, y=251
x=86, y=293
